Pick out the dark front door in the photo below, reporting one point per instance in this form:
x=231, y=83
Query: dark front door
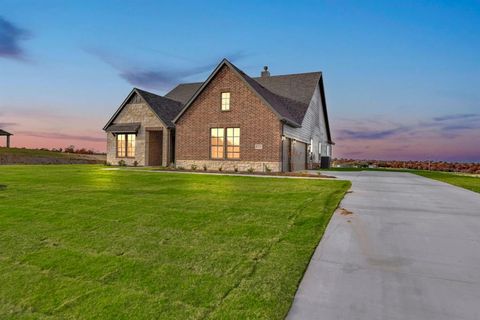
x=155, y=148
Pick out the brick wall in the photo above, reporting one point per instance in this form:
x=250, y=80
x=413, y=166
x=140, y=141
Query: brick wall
x=257, y=123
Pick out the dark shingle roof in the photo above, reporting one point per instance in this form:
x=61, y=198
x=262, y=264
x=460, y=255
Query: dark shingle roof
x=184, y=91
x=124, y=127
x=166, y=108
x=5, y=133
x=289, y=95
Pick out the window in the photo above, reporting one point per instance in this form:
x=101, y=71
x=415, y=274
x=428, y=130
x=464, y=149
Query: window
x=233, y=143
x=319, y=149
x=125, y=145
x=131, y=145
x=121, y=150
x=329, y=150
x=225, y=101
x=217, y=143
x=220, y=147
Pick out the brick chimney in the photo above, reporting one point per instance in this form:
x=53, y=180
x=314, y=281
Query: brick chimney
x=265, y=73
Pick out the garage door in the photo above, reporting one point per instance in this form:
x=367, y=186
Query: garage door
x=299, y=155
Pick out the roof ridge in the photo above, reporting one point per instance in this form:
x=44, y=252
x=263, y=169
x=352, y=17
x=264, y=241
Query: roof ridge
x=157, y=95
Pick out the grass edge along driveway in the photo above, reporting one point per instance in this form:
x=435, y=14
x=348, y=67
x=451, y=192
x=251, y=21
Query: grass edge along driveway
x=461, y=180
x=82, y=242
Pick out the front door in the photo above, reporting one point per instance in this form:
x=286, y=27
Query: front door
x=155, y=148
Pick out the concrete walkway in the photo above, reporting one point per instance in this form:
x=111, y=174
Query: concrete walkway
x=409, y=250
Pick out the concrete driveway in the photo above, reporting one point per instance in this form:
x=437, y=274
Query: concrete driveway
x=409, y=250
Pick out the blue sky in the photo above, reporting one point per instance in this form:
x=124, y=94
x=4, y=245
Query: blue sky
x=402, y=77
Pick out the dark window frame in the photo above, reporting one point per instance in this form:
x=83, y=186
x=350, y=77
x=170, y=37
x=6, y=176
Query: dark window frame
x=224, y=153
x=125, y=143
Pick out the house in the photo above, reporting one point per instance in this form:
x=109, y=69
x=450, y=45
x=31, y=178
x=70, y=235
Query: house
x=230, y=121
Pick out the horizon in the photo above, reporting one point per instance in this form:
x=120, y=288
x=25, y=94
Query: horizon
x=401, y=78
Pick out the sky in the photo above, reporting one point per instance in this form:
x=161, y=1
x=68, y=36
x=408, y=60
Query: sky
x=402, y=78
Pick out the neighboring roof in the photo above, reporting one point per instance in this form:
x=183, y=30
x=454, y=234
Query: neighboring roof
x=166, y=109
x=5, y=133
x=124, y=127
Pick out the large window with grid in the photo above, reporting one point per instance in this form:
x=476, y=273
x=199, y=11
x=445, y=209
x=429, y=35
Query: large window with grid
x=233, y=143
x=125, y=145
x=225, y=101
x=216, y=143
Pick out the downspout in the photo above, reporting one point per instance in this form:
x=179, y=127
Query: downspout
x=281, y=147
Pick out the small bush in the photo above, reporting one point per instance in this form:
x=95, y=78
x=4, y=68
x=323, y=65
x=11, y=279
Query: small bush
x=268, y=169
x=205, y=167
x=220, y=168
x=122, y=163
x=194, y=167
x=251, y=170
x=180, y=168
x=235, y=168
x=135, y=163
x=108, y=164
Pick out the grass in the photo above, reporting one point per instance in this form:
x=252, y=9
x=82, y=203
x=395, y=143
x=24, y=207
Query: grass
x=33, y=152
x=465, y=181
x=80, y=242
x=469, y=182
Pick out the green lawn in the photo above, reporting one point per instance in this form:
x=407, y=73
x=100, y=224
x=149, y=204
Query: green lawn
x=466, y=181
x=80, y=242
x=459, y=180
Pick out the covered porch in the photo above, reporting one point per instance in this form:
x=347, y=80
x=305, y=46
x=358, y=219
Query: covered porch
x=7, y=136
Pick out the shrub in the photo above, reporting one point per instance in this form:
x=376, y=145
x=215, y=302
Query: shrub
x=268, y=169
x=235, y=168
x=250, y=170
x=180, y=168
x=194, y=167
x=135, y=163
x=220, y=168
x=122, y=163
x=205, y=167
x=108, y=164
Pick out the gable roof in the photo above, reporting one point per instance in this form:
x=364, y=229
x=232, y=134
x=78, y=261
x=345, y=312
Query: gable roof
x=286, y=109
x=5, y=133
x=288, y=96
x=165, y=108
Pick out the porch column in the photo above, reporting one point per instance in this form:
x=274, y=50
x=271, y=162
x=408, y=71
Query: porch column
x=8, y=141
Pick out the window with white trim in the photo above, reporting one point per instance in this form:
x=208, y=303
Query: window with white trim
x=225, y=101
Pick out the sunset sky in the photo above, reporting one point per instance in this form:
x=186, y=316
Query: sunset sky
x=402, y=78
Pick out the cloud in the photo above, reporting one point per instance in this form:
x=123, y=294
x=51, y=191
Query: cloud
x=7, y=124
x=10, y=37
x=370, y=134
x=457, y=117
x=160, y=78
x=453, y=137
x=62, y=136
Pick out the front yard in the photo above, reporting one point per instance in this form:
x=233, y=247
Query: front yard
x=84, y=242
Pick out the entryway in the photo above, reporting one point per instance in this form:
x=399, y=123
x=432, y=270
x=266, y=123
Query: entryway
x=155, y=148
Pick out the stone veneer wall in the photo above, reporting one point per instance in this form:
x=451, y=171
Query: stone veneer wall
x=242, y=166
x=137, y=112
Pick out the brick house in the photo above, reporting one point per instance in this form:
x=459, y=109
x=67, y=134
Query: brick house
x=230, y=121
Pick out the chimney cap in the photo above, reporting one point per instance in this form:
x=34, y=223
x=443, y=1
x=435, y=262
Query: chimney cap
x=265, y=72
